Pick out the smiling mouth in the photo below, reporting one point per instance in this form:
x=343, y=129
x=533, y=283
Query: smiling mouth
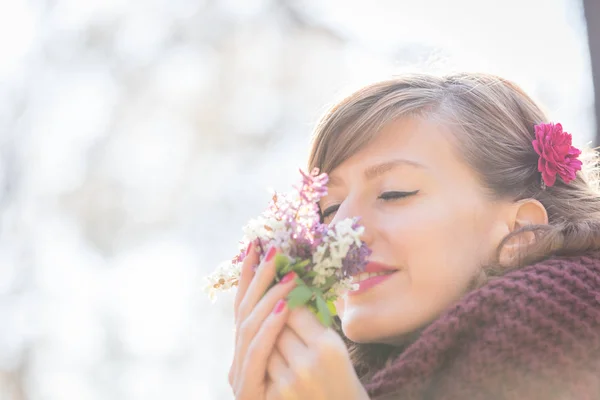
x=363, y=276
x=367, y=280
x=373, y=274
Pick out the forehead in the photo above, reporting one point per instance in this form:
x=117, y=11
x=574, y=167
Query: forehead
x=416, y=140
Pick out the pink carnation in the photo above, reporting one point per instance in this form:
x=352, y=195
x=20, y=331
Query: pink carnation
x=557, y=155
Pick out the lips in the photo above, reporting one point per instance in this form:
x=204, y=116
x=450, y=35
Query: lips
x=379, y=267
x=382, y=273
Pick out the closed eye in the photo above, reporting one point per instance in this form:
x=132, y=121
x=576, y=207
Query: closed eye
x=396, y=195
x=330, y=210
x=386, y=196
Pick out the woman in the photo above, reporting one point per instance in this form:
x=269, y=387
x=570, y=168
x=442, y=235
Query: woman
x=485, y=277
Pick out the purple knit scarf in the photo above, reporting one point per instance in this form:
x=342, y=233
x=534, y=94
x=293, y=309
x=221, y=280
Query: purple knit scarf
x=531, y=334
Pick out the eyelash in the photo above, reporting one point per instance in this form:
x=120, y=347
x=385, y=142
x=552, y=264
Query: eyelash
x=386, y=196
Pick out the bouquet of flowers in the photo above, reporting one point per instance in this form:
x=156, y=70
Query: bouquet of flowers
x=324, y=257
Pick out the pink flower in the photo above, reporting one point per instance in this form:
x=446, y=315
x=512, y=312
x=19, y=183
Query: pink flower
x=557, y=155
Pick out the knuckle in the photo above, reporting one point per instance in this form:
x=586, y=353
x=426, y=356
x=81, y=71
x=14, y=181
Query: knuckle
x=287, y=387
x=333, y=339
x=278, y=392
x=242, y=311
x=252, y=349
x=328, y=347
x=303, y=373
x=324, y=347
x=245, y=328
x=230, y=376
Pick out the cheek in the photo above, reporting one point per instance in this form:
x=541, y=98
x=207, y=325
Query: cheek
x=439, y=247
x=442, y=236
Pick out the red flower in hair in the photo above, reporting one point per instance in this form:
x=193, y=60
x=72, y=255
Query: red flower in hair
x=557, y=155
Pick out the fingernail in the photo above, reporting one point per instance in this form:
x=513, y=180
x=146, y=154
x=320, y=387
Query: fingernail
x=279, y=306
x=270, y=254
x=288, y=277
x=248, y=248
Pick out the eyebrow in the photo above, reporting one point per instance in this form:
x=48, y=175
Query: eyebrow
x=377, y=170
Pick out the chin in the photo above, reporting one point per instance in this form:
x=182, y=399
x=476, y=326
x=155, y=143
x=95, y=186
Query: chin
x=366, y=327
x=358, y=336
x=360, y=330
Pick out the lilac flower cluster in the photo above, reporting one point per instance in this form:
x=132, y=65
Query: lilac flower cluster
x=325, y=257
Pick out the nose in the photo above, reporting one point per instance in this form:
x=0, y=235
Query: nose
x=351, y=209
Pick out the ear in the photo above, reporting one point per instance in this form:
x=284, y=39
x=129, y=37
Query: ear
x=522, y=213
x=529, y=212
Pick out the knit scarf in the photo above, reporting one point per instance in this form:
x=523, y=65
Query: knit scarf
x=534, y=333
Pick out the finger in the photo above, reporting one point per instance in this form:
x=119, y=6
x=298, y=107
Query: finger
x=279, y=379
x=252, y=324
x=246, y=275
x=254, y=367
x=306, y=325
x=279, y=390
x=276, y=365
x=258, y=286
x=297, y=356
x=272, y=391
x=324, y=344
x=291, y=347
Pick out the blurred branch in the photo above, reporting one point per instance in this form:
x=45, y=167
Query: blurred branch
x=304, y=20
x=11, y=385
x=592, y=16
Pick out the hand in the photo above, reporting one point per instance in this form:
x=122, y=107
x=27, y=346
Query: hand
x=259, y=320
x=311, y=362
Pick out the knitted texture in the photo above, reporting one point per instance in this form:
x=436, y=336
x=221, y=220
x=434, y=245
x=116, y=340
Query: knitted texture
x=532, y=334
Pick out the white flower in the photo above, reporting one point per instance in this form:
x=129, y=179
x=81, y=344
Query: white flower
x=291, y=222
x=340, y=288
x=225, y=277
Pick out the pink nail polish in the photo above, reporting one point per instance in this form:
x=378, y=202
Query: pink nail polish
x=288, y=277
x=270, y=254
x=279, y=306
x=248, y=249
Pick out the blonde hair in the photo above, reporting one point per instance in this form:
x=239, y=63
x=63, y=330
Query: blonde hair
x=492, y=123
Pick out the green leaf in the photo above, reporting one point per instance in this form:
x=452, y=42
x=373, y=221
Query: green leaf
x=282, y=263
x=301, y=264
x=323, y=312
x=284, y=271
x=299, y=268
x=298, y=271
x=329, y=283
x=331, y=307
x=310, y=275
x=299, y=296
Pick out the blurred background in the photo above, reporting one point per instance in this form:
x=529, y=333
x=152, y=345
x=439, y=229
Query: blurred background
x=137, y=137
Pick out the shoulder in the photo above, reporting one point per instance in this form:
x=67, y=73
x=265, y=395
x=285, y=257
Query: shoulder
x=569, y=271
x=554, y=303
x=561, y=281
x=550, y=306
x=522, y=333
x=536, y=324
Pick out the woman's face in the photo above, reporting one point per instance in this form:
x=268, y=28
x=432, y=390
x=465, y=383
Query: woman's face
x=425, y=216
